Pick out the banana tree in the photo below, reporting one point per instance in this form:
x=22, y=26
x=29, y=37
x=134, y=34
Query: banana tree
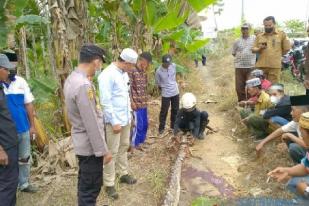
x=69, y=25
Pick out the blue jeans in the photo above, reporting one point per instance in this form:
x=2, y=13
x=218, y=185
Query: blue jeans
x=24, y=159
x=296, y=152
x=291, y=186
x=279, y=120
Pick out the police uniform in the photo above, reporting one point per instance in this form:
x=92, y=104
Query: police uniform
x=8, y=141
x=87, y=134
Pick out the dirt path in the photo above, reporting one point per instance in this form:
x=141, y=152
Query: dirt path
x=213, y=169
x=224, y=165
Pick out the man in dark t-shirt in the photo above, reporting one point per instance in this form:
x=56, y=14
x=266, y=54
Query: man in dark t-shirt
x=8, y=144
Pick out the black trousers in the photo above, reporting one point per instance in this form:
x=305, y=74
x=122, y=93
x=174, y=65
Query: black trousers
x=90, y=179
x=9, y=179
x=186, y=126
x=204, y=60
x=165, y=105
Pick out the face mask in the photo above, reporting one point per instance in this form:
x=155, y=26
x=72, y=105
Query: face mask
x=274, y=100
x=269, y=30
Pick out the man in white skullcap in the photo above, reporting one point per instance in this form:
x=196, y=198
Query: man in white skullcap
x=257, y=73
x=114, y=86
x=253, y=111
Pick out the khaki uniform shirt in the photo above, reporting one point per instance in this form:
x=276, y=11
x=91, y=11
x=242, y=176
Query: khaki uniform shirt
x=277, y=44
x=86, y=118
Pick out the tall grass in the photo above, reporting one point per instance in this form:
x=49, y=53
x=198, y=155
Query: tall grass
x=292, y=86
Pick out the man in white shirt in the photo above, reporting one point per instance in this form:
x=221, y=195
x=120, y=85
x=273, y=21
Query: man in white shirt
x=114, y=86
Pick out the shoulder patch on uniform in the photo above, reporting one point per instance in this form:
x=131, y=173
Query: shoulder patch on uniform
x=90, y=94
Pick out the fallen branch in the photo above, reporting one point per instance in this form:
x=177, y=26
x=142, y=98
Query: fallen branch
x=173, y=192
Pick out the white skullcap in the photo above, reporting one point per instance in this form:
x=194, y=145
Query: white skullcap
x=129, y=55
x=253, y=82
x=257, y=73
x=279, y=87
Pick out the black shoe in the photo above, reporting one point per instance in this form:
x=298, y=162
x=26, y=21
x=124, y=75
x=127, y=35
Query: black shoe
x=128, y=179
x=161, y=131
x=111, y=192
x=30, y=189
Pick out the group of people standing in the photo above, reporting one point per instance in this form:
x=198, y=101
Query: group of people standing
x=101, y=130
x=267, y=111
x=104, y=130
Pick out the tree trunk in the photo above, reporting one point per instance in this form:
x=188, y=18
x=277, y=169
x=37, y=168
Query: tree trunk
x=68, y=18
x=51, y=52
x=23, y=51
x=35, y=55
x=59, y=47
x=115, y=42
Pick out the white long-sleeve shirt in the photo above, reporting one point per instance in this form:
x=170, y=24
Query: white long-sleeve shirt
x=114, y=86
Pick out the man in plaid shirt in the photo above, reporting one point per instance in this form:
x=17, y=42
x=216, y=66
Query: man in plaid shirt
x=138, y=79
x=244, y=60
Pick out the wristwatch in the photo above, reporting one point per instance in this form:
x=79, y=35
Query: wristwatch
x=306, y=193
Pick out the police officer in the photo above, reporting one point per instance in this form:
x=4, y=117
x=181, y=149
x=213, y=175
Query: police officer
x=8, y=144
x=87, y=124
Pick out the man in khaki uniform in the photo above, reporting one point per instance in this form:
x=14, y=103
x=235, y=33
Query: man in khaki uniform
x=87, y=124
x=271, y=45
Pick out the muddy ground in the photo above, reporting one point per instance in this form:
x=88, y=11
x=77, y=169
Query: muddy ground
x=224, y=165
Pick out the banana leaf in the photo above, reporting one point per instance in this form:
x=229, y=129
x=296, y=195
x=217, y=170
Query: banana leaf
x=197, y=44
x=199, y=5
